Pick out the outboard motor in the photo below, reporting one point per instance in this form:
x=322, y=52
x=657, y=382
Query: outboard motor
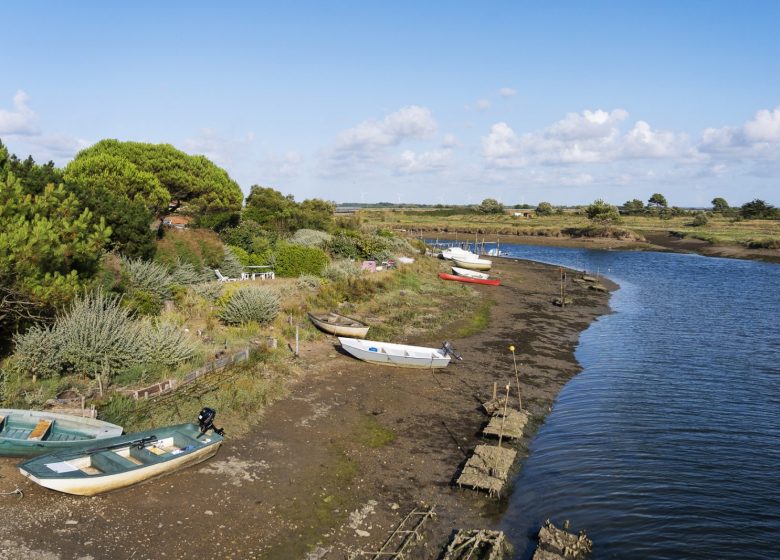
x=448, y=349
x=206, y=421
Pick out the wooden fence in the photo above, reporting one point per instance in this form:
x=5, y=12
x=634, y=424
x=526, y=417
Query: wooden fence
x=168, y=385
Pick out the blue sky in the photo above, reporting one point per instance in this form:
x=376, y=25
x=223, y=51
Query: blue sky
x=411, y=101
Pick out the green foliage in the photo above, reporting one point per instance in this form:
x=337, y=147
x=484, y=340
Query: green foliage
x=194, y=180
x=230, y=266
x=657, y=200
x=359, y=246
x=48, y=249
x=603, y=213
x=116, y=174
x=720, y=205
x=634, y=207
x=246, y=304
x=199, y=247
x=309, y=281
x=341, y=270
x=249, y=235
x=147, y=276
x=38, y=352
x=310, y=238
x=294, y=260
x=185, y=274
x=491, y=206
x=758, y=209
x=700, y=220
x=544, y=209
x=33, y=177
x=271, y=209
x=210, y=290
x=166, y=343
x=251, y=259
x=142, y=302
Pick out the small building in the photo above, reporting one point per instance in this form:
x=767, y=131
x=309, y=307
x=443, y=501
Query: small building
x=522, y=214
x=174, y=221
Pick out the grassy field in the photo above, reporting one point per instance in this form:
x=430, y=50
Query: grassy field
x=719, y=230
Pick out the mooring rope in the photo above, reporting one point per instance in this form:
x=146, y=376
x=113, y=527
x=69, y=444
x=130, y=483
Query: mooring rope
x=17, y=492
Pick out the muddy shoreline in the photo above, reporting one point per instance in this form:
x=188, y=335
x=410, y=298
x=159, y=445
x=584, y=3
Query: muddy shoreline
x=655, y=242
x=333, y=467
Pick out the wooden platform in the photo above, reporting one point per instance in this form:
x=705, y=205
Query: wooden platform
x=511, y=427
x=559, y=544
x=487, y=469
x=473, y=544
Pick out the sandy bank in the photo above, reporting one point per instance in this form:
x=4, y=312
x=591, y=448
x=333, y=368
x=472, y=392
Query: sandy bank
x=338, y=463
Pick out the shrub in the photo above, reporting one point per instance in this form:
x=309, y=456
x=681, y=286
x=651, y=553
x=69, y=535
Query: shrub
x=209, y=290
x=341, y=270
x=185, y=274
x=309, y=281
x=700, y=220
x=245, y=235
x=199, y=247
x=38, y=352
x=310, y=238
x=251, y=259
x=544, y=209
x=166, y=343
x=98, y=333
x=294, y=260
x=230, y=265
x=147, y=276
x=247, y=304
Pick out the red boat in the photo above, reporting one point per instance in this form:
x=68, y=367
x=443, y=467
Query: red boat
x=445, y=276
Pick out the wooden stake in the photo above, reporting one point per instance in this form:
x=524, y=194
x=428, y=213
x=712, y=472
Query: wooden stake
x=503, y=418
x=495, y=388
x=517, y=377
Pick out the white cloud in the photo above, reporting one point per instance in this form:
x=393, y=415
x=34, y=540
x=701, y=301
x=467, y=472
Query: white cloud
x=507, y=92
x=410, y=162
x=757, y=139
x=22, y=120
x=765, y=126
x=408, y=122
x=449, y=141
x=589, y=137
x=483, y=104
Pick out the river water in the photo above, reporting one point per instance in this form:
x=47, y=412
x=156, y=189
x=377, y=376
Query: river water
x=667, y=445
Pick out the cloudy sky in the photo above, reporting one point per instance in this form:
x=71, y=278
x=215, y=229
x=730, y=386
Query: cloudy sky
x=436, y=102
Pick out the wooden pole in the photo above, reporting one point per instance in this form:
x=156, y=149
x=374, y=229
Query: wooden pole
x=296, y=340
x=517, y=377
x=495, y=387
x=503, y=418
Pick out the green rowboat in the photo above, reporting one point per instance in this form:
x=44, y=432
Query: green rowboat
x=122, y=461
x=26, y=433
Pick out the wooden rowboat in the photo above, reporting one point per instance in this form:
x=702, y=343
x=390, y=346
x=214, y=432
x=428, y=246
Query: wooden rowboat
x=473, y=264
x=400, y=355
x=26, y=433
x=339, y=325
x=445, y=276
x=469, y=273
x=122, y=461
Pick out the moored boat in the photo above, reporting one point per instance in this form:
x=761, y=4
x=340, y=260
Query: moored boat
x=400, y=355
x=339, y=325
x=487, y=282
x=125, y=460
x=26, y=433
x=473, y=264
x=454, y=252
x=469, y=273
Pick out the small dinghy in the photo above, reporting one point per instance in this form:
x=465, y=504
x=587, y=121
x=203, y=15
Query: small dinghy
x=340, y=325
x=470, y=280
x=469, y=273
x=26, y=433
x=473, y=264
x=457, y=252
x=400, y=355
x=126, y=460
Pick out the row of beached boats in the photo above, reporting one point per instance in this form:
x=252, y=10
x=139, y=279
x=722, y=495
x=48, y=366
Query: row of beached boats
x=470, y=267
x=85, y=456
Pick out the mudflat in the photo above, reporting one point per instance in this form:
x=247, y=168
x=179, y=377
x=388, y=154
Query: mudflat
x=333, y=467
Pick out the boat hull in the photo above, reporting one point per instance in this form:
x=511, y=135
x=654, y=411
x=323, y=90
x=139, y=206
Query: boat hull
x=445, y=276
x=469, y=273
x=65, y=432
x=122, y=461
x=476, y=264
x=397, y=355
x=340, y=329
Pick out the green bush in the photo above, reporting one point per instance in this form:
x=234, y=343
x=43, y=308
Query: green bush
x=700, y=220
x=147, y=276
x=209, y=290
x=230, y=266
x=309, y=281
x=166, y=343
x=341, y=270
x=294, y=260
x=310, y=238
x=186, y=274
x=38, y=352
x=260, y=304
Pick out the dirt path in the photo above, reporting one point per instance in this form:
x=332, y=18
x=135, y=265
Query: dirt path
x=333, y=467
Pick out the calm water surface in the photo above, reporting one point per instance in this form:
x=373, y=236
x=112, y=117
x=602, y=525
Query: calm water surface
x=667, y=445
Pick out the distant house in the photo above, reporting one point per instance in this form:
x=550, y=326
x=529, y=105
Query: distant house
x=174, y=221
x=522, y=214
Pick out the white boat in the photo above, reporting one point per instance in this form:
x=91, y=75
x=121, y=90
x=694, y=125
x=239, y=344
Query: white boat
x=454, y=252
x=469, y=273
x=473, y=264
x=400, y=355
x=334, y=323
